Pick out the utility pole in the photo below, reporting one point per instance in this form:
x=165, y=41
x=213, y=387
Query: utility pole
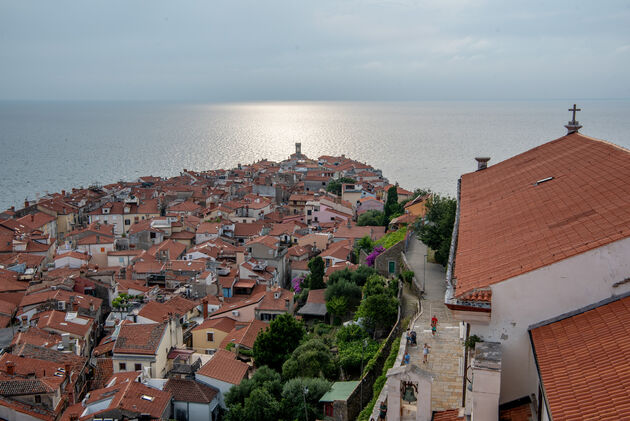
x=305, y=408
x=424, y=272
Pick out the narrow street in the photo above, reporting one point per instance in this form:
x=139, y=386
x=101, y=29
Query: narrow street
x=446, y=347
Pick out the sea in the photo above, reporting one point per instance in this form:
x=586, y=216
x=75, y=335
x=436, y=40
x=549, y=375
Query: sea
x=49, y=146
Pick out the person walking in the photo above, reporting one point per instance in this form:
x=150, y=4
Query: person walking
x=406, y=359
x=382, y=411
x=425, y=353
x=434, y=322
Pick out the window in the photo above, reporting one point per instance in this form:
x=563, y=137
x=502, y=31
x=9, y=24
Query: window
x=127, y=222
x=38, y=399
x=122, y=366
x=137, y=367
x=121, y=260
x=309, y=212
x=210, y=351
x=152, y=235
x=210, y=336
x=102, y=249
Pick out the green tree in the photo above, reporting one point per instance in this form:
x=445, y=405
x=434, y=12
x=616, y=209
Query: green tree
x=316, y=277
x=347, y=289
x=375, y=285
x=337, y=307
x=361, y=274
x=296, y=391
x=354, y=345
x=437, y=230
x=261, y=405
x=373, y=218
x=334, y=186
x=277, y=342
x=392, y=207
x=378, y=312
x=263, y=377
x=311, y=359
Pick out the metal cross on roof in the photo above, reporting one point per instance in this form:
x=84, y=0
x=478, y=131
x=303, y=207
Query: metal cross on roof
x=574, y=109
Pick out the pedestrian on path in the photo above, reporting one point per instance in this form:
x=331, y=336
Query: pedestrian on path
x=413, y=338
x=434, y=322
x=425, y=353
x=406, y=359
x=408, y=337
x=382, y=411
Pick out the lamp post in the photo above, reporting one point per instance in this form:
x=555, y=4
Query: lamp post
x=305, y=408
x=361, y=375
x=424, y=272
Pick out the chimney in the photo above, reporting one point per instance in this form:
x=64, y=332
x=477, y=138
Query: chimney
x=10, y=368
x=65, y=340
x=482, y=162
x=204, y=304
x=32, y=217
x=68, y=368
x=25, y=203
x=63, y=192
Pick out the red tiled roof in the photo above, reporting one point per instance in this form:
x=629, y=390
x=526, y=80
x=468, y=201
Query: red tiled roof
x=60, y=322
x=477, y=295
x=510, y=226
x=37, y=337
x=139, y=338
x=584, y=363
x=245, y=335
x=269, y=302
x=316, y=296
x=225, y=367
x=522, y=412
x=190, y=391
x=224, y=324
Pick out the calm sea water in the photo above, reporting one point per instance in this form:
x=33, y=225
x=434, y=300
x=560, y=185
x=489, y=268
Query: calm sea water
x=46, y=147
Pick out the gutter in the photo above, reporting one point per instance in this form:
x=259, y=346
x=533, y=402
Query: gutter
x=542, y=384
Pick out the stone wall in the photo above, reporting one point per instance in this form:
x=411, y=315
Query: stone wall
x=381, y=263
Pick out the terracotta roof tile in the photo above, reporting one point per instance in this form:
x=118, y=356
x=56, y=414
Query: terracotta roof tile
x=245, y=335
x=139, y=338
x=509, y=225
x=584, y=363
x=522, y=412
x=225, y=367
x=190, y=391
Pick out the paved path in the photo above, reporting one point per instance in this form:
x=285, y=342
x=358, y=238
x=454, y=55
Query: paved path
x=446, y=348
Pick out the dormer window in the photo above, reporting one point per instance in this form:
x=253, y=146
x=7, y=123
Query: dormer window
x=105, y=211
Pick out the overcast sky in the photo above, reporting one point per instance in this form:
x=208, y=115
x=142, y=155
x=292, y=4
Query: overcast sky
x=313, y=50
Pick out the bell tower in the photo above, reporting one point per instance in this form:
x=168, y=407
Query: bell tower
x=298, y=148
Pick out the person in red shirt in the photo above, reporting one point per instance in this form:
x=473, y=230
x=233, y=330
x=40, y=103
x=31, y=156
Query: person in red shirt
x=434, y=322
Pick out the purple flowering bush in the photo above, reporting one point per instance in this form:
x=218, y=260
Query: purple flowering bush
x=372, y=256
x=296, y=284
